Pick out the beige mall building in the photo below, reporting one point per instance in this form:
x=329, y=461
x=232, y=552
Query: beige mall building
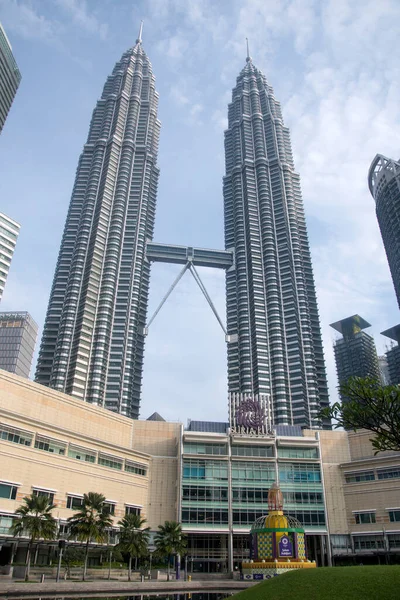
x=213, y=481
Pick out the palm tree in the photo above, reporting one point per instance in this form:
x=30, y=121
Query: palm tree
x=170, y=540
x=90, y=523
x=133, y=539
x=34, y=518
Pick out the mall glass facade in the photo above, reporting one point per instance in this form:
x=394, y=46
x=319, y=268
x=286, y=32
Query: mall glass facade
x=225, y=483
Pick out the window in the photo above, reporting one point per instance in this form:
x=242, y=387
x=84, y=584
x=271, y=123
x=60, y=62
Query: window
x=298, y=497
x=5, y=523
x=253, y=471
x=205, y=469
x=136, y=468
x=300, y=472
x=44, y=494
x=202, y=516
x=194, y=493
x=298, y=452
x=199, y=448
x=392, y=473
x=261, y=451
x=340, y=541
x=368, y=542
x=82, y=454
x=109, y=508
x=364, y=517
x=50, y=445
x=132, y=510
x=394, y=516
x=357, y=477
x=18, y=436
x=113, y=462
x=8, y=491
x=74, y=502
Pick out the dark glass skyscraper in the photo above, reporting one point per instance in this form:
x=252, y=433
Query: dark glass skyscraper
x=355, y=352
x=18, y=334
x=92, y=345
x=384, y=185
x=275, y=345
x=393, y=354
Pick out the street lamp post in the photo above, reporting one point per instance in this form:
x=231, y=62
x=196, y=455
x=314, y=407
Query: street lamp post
x=61, y=546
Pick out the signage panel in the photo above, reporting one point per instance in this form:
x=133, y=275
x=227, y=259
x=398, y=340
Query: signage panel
x=250, y=414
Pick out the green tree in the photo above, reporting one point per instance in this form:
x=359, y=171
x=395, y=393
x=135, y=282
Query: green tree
x=35, y=519
x=72, y=557
x=170, y=541
x=90, y=523
x=368, y=405
x=133, y=539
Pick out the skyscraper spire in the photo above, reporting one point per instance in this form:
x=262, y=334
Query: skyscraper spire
x=248, y=58
x=139, y=38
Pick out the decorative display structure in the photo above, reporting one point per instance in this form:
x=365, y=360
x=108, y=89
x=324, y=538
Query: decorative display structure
x=277, y=542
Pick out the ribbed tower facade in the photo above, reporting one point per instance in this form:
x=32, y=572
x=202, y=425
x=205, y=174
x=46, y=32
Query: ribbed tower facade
x=384, y=185
x=93, y=338
x=272, y=316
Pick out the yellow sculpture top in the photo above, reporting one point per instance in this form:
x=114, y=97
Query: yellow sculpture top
x=275, y=498
x=275, y=518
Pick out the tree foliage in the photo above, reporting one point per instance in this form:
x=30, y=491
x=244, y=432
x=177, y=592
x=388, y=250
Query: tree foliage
x=91, y=522
x=169, y=540
x=34, y=518
x=368, y=405
x=133, y=538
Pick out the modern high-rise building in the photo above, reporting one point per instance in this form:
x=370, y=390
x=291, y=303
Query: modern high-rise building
x=355, y=352
x=18, y=334
x=10, y=77
x=384, y=185
x=9, y=231
x=393, y=355
x=273, y=324
x=92, y=345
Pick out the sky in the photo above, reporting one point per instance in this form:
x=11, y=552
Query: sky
x=333, y=65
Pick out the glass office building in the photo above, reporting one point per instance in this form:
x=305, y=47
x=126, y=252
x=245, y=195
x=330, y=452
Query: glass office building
x=9, y=231
x=10, y=77
x=225, y=483
x=18, y=334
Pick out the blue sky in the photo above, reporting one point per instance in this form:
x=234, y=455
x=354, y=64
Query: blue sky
x=333, y=66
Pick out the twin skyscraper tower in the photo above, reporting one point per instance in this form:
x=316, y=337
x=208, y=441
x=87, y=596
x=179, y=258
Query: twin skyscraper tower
x=94, y=333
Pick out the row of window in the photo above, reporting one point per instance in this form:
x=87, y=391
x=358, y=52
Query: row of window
x=9, y=491
x=249, y=450
x=386, y=473
x=61, y=448
x=247, y=495
x=373, y=542
x=363, y=518
x=252, y=471
x=219, y=516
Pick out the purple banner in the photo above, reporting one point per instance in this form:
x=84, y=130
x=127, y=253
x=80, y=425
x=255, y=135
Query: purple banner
x=285, y=547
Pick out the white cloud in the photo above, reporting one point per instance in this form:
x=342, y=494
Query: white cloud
x=177, y=95
x=22, y=19
x=174, y=47
x=80, y=15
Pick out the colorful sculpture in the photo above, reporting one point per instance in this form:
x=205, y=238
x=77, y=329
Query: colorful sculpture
x=277, y=542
